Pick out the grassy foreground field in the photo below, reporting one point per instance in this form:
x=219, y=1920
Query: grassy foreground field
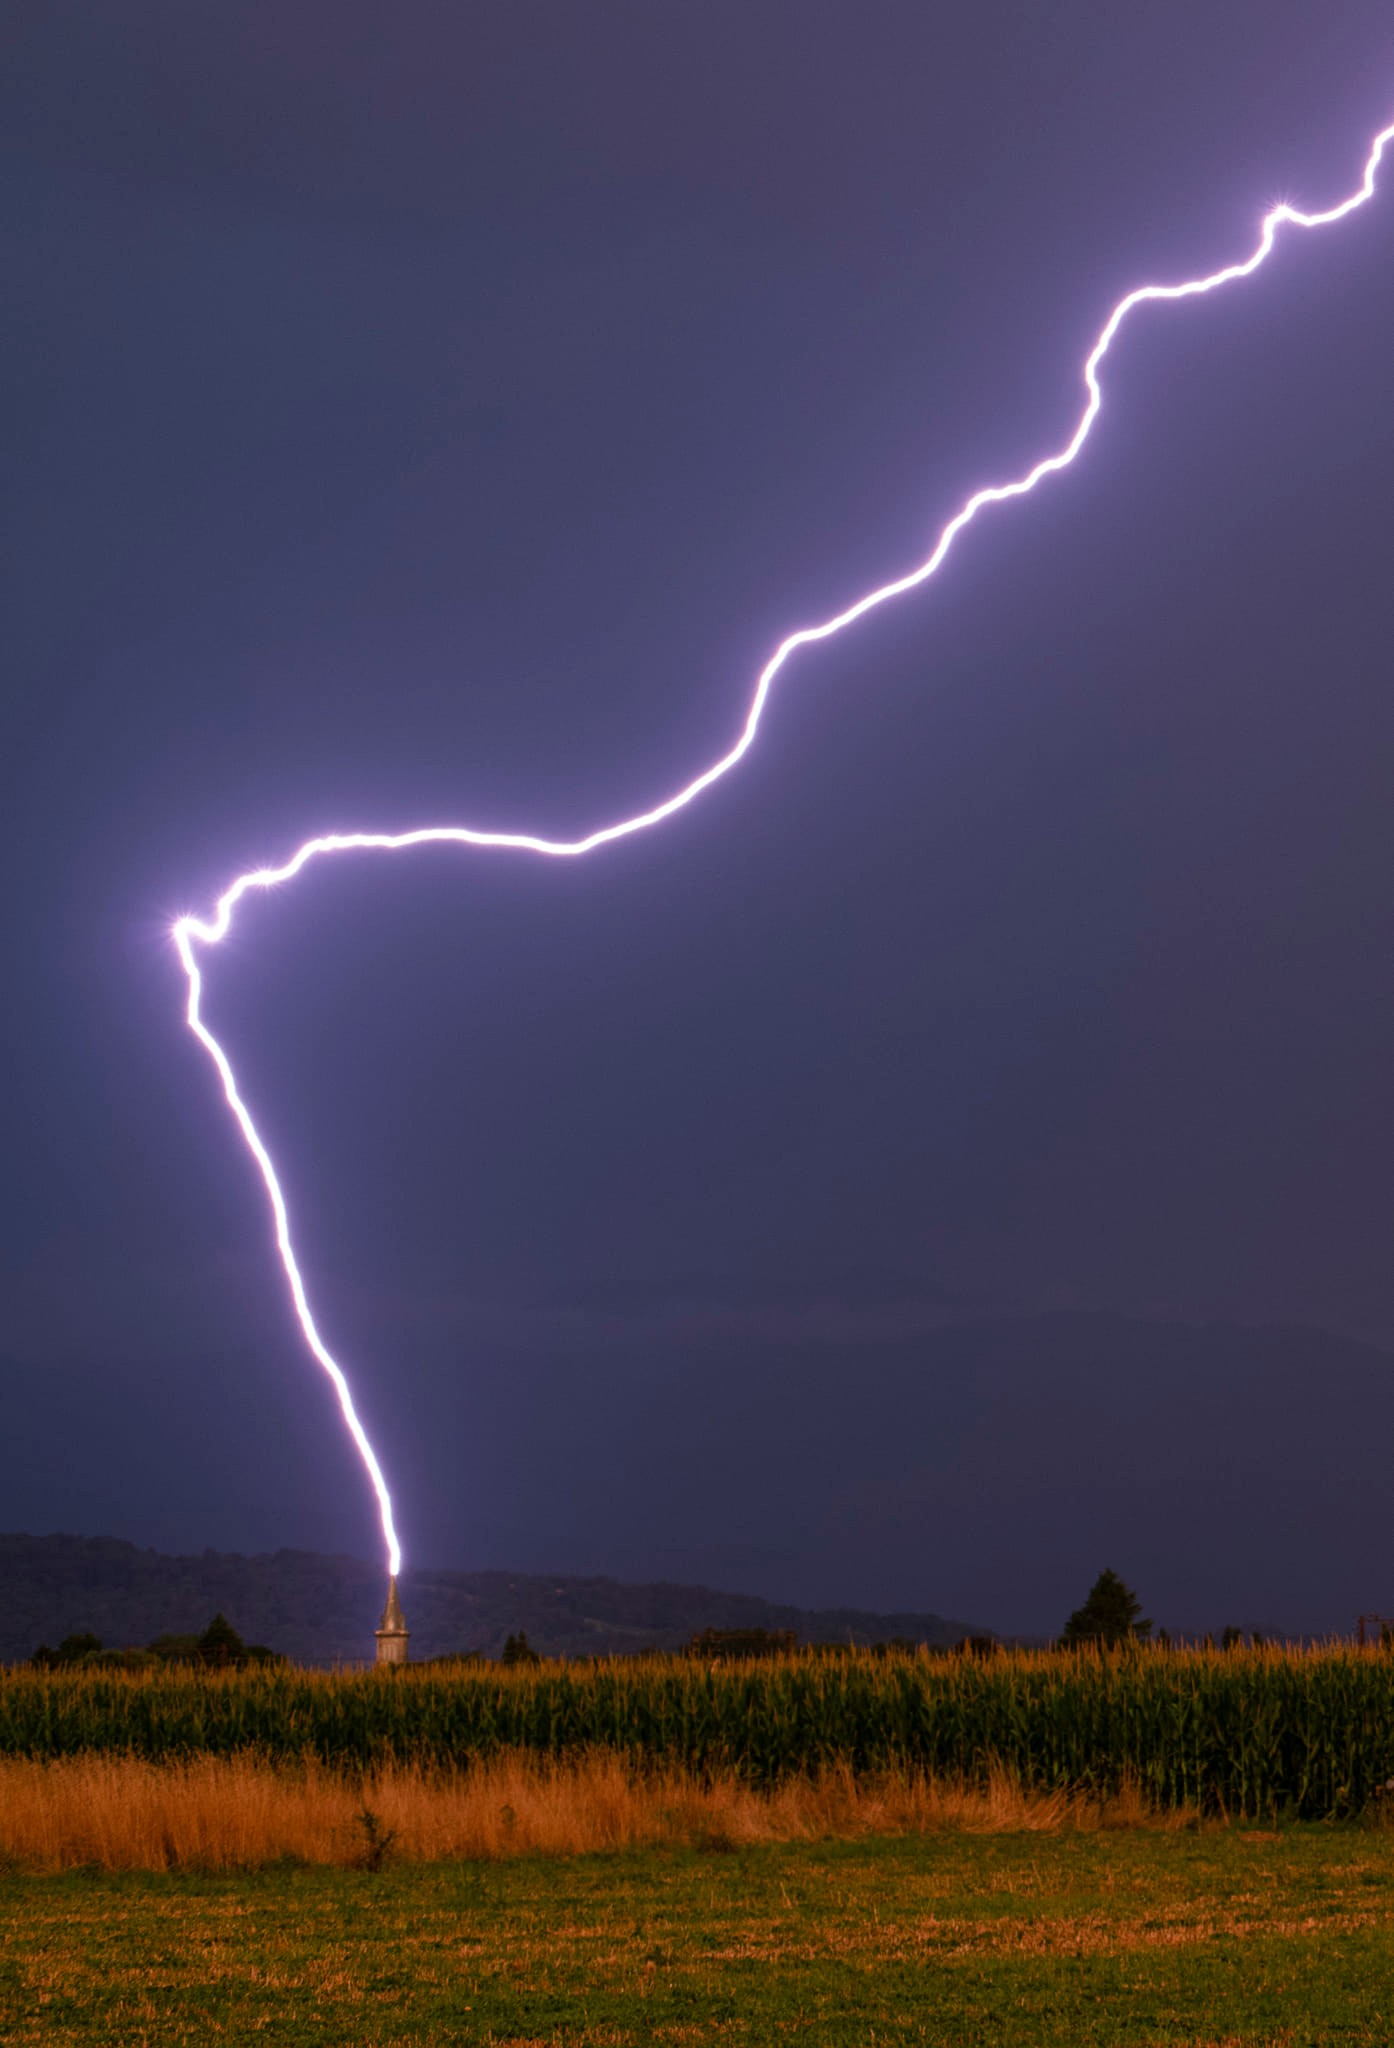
x=1222, y=1936
x=1045, y=1849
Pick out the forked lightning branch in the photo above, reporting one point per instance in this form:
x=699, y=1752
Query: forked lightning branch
x=192, y=935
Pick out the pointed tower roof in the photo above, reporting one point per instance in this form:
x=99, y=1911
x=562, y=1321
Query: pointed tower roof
x=392, y=1636
x=393, y=1621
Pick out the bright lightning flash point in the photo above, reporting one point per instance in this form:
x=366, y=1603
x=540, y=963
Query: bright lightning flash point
x=192, y=933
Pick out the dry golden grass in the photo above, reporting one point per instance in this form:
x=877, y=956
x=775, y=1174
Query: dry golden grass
x=239, y=1813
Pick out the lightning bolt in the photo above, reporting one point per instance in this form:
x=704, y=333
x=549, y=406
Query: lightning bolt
x=191, y=933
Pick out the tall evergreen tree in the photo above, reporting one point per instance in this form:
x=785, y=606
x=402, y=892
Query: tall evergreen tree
x=1109, y=1615
x=220, y=1643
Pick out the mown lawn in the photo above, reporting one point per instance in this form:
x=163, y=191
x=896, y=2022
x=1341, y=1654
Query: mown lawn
x=1216, y=1937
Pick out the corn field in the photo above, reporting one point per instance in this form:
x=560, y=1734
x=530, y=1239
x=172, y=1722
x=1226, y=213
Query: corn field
x=1252, y=1733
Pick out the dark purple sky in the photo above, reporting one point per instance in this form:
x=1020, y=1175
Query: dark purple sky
x=926, y=1171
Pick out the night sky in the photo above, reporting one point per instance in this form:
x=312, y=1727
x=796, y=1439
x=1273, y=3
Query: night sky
x=953, y=1157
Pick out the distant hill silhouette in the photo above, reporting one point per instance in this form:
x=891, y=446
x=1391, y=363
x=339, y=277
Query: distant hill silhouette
x=319, y=1609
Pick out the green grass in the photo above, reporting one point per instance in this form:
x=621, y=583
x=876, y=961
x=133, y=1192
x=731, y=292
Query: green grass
x=1225, y=1936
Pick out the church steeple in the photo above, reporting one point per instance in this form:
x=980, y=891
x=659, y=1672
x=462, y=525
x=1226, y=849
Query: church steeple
x=392, y=1634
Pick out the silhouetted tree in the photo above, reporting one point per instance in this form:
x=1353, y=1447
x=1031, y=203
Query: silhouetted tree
x=71, y=1650
x=518, y=1650
x=1108, y=1616
x=221, y=1644
x=175, y=1649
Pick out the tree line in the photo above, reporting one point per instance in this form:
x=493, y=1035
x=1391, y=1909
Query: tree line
x=219, y=1646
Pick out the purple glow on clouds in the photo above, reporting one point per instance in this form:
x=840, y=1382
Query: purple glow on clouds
x=192, y=933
